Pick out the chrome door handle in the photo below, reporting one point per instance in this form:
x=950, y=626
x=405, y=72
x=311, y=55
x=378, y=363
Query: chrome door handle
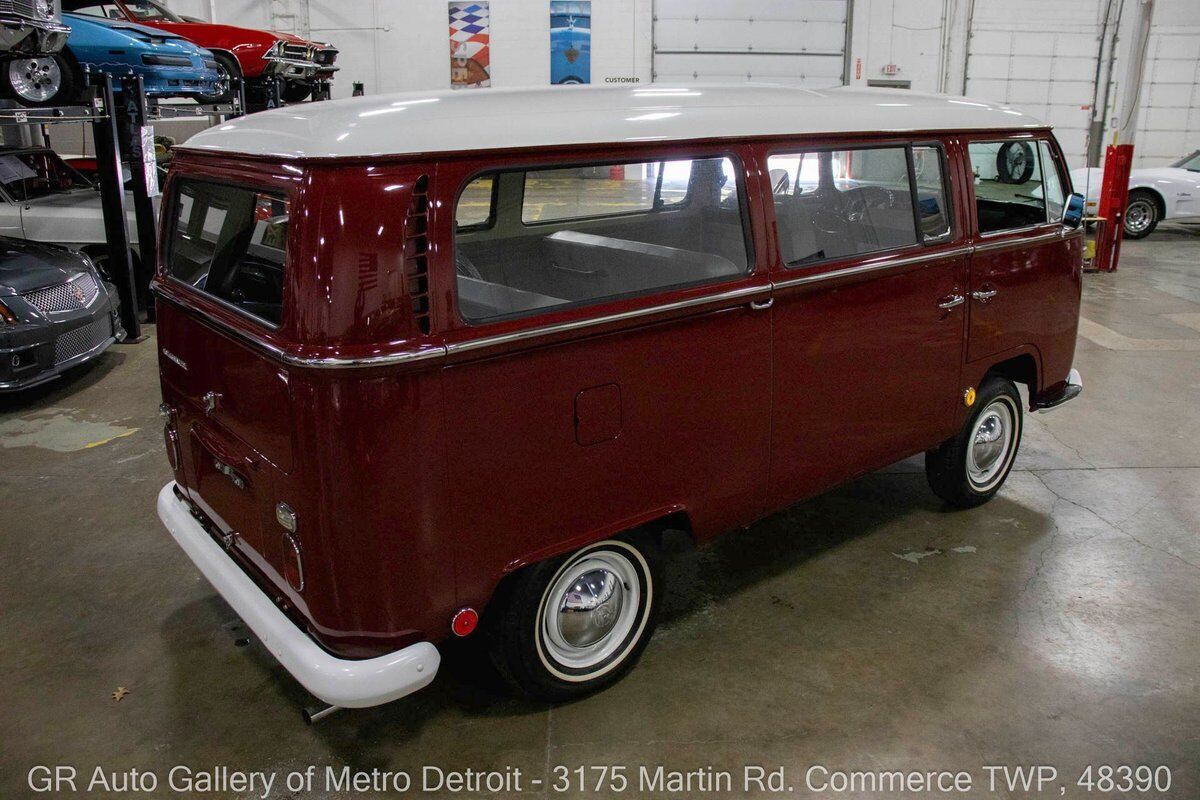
x=949, y=302
x=984, y=295
x=210, y=402
x=762, y=305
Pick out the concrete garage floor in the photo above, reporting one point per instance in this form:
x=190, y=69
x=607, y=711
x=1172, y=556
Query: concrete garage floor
x=867, y=629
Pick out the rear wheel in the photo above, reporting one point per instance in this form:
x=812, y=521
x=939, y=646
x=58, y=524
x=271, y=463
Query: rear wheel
x=1141, y=215
x=40, y=81
x=969, y=469
x=575, y=624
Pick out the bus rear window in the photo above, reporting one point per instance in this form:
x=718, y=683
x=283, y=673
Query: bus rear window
x=231, y=242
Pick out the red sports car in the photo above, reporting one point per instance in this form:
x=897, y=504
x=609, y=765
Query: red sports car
x=256, y=56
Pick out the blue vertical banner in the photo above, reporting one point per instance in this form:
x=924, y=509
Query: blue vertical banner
x=570, y=41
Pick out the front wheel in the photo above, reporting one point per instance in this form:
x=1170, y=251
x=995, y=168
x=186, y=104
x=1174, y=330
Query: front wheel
x=969, y=469
x=572, y=625
x=227, y=69
x=296, y=92
x=1141, y=215
x=39, y=81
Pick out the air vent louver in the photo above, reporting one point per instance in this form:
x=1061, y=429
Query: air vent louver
x=416, y=250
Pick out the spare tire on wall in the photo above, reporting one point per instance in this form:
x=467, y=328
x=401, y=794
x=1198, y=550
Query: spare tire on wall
x=1014, y=162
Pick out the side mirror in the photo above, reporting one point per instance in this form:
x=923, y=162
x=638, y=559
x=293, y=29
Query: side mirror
x=1073, y=213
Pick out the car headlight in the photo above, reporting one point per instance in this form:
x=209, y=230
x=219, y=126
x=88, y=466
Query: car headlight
x=44, y=8
x=91, y=267
x=7, y=317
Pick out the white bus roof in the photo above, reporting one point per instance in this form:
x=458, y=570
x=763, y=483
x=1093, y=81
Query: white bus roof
x=485, y=119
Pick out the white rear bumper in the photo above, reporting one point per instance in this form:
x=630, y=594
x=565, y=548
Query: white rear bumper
x=337, y=681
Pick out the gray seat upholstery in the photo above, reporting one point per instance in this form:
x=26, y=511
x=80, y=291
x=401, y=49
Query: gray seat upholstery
x=585, y=265
x=887, y=227
x=479, y=299
x=797, y=236
x=834, y=234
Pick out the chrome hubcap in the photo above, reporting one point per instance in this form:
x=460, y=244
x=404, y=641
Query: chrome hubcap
x=991, y=445
x=1138, y=216
x=35, y=79
x=590, y=609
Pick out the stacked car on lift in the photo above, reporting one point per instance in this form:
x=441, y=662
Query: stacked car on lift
x=58, y=304
x=45, y=61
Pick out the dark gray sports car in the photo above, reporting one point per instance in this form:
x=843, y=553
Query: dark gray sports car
x=55, y=312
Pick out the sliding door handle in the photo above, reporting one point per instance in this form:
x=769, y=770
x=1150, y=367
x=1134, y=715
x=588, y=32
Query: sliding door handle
x=950, y=301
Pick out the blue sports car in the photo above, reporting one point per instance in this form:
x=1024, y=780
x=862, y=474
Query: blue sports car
x=170, y=65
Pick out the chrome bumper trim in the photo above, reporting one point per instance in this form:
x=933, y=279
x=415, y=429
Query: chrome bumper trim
x=1070, y=390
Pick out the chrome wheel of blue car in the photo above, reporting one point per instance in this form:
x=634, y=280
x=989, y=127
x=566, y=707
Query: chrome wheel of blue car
x=35, y=80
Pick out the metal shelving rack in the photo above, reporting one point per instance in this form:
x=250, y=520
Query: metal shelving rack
x=135, y=110
x=99, y=112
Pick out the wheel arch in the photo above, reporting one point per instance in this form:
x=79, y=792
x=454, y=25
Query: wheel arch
x=654, y=529
x=227, y=52
x=1156, y=195
x=101, y=249
x=1022, y=368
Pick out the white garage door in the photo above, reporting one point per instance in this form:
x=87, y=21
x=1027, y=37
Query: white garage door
x=1169, y=124
x=798, y=42
x=1047, y=69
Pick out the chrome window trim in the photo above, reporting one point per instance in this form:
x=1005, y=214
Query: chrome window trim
x=1058, y=233
x=879, y=265
x=441, y=351
x=566, y=327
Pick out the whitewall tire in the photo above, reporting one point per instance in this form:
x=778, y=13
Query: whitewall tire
x=575, y=624
x=970, y=468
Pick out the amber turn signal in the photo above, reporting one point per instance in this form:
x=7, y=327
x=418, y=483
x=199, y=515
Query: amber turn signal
x=6, y=315
x=969, y=397
x=464, y=621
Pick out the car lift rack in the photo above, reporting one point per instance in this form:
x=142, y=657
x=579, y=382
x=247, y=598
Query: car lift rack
x=117, y=120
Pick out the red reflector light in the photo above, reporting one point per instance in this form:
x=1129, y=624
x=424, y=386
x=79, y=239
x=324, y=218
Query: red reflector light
x=293, y=565
x=464, y=622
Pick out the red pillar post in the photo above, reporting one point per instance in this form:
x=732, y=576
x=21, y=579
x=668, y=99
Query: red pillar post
x=1114, y=196
x=1118, y=161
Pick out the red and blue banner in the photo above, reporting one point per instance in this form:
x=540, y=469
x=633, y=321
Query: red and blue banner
x=470, y=45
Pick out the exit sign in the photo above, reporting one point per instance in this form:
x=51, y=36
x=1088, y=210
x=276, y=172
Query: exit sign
x=890, y=69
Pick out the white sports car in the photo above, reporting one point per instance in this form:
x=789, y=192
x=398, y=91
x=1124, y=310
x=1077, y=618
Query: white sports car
x=1155, y=194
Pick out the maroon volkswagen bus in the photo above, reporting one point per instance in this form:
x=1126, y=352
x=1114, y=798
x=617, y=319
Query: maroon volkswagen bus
x=433, y=363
